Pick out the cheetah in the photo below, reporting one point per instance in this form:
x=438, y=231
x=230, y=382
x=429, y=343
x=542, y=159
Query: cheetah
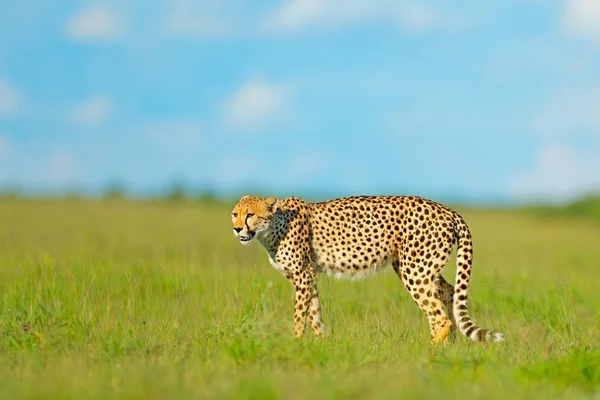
x=358, y=236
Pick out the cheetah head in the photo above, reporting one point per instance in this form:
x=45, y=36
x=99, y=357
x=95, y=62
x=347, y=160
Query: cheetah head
x=252, y=215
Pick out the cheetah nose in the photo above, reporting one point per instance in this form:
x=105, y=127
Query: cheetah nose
x=237, y=229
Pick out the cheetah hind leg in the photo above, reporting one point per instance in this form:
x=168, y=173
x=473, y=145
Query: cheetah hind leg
x=446, y=294
x=314, y=313
x=426, y=293
x=444, y=325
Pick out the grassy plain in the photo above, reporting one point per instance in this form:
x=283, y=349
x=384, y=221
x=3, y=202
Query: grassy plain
x=159, y=301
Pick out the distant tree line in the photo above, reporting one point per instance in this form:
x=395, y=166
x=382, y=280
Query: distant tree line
x=174, y=193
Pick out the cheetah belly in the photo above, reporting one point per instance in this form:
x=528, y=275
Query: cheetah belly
x=347, y=267
x=277, y=266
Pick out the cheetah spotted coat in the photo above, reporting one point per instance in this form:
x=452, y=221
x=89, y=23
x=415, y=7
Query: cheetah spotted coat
x=355, y=237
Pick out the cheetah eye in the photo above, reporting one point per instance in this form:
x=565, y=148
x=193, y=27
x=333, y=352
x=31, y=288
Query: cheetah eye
x=234, y=215
x=250, y=215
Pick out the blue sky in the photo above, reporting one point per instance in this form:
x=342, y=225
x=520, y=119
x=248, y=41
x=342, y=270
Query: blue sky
x=490, y=101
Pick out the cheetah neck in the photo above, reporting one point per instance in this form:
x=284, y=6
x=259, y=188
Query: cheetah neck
x=270, y=238
x=268, y=241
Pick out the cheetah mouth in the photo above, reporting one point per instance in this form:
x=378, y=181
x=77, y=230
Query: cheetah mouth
x=247, y=239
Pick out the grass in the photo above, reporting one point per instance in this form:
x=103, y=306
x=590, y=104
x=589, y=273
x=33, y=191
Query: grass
x=148, y=300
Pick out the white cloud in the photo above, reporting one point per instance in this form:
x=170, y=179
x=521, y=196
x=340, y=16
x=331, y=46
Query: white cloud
x=582, y=18
x=96, y=23
x=197, y=19
x=298, y=15
x=62, y=168
x=295, y=15
x=558, y=173
x=306, y=164
x=91, y=112
x=9, y=100
x=574, y=112
x=419, y=18
x=256, y=104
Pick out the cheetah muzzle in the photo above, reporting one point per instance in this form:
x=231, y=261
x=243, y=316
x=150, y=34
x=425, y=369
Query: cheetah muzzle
x=355, y=237
x=247, y=239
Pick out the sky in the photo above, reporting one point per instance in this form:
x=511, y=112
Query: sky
x=495, y=101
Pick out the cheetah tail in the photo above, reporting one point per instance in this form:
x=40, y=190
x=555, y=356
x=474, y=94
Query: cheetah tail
x=464, y=260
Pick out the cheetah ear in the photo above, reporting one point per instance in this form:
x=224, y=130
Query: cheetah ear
x=273, y=203
x=244, y=197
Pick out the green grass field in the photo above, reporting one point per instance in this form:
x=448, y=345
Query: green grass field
x=156, y=300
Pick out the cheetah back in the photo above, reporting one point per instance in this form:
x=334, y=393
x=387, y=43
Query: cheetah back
x=357, y=236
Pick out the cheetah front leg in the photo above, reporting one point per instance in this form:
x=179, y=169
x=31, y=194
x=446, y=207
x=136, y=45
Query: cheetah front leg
x=307, y=305
x=300, y=308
